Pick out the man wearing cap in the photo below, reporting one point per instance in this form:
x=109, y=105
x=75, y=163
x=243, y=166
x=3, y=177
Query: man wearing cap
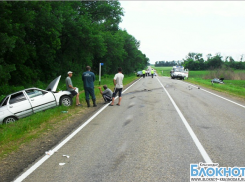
x=106, y=94
x=72, y=89
x=88, y=78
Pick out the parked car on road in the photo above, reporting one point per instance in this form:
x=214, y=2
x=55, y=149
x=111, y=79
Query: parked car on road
x=139, y=73
x=216, y=80
x=32, y=100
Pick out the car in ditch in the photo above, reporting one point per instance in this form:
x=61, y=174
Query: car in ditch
x=32, y=100
x=216, y=80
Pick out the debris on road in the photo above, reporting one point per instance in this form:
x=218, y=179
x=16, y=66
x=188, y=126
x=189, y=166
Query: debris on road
x=50, y=152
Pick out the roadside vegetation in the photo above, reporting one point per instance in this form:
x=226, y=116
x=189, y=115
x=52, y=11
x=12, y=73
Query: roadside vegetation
x=201, y=71
x=40, y=40
x=163, y=71
x=233, y=85
x=234, y=79
x=12, y=136
x=195, y=62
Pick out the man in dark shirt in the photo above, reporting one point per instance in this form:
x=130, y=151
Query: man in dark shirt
x=88, y=78
x=106, y=94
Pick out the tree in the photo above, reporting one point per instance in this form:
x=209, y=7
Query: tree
x=41, y=40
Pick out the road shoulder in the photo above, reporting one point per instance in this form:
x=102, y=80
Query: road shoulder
x=16, y=162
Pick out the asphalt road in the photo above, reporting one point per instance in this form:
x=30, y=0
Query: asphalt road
x=145, y=139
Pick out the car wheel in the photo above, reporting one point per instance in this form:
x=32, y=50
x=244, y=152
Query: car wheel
x=10, y=119
x=66, y=101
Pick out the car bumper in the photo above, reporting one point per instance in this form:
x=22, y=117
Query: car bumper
x=178, y=76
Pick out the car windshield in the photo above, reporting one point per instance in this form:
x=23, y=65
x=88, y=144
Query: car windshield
x=178, y=70
x=1, y=103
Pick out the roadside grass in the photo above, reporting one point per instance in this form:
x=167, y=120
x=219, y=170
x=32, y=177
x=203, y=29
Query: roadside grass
x=163, y=71
x=232, y=87
x=13, y=136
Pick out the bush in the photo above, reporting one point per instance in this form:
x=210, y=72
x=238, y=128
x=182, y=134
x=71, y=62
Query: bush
x=226, y=73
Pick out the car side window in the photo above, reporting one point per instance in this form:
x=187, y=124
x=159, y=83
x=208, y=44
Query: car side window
x=34, y=93
x=17, y=98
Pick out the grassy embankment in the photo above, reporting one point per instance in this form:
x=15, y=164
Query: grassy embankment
x=203, y=78
x=12, y=136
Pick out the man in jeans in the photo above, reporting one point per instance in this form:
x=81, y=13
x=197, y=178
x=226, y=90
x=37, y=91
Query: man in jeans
x=106, y=94
x=88, y=78
x=118, y=82
x=72, y=89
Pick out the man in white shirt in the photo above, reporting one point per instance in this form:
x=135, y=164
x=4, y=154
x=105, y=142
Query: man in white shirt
x=118, y=82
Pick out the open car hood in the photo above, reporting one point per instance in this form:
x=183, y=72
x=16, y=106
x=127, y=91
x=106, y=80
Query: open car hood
x=53, y=85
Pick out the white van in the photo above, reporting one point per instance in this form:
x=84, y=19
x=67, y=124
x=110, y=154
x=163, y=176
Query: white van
x=179, y=72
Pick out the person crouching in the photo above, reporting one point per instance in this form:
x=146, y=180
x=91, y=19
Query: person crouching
x=106, y=94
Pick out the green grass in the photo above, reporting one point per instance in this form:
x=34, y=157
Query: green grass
x=12, y=136
x=163, y=71
x=197, y=74
x=232, y=87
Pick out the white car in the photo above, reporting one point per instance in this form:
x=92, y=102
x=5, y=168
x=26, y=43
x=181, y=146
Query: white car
x=179, y=72
x=32, y=100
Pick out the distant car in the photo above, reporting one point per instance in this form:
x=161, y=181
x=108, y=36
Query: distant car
x=32, y=100
x=216, y=80
x=139, y=73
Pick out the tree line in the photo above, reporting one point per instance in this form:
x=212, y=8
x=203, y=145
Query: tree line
x=195, y=61
x=40, y=40
x=167, y=63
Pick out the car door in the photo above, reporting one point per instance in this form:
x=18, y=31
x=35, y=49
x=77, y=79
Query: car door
x=19, y=105
x=40, y=99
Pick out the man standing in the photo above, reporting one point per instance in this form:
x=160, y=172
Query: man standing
x=152, y=73
x=88, y=78
x=143, y=72
x=106, y=94
x=72, y=89
x=118, y=82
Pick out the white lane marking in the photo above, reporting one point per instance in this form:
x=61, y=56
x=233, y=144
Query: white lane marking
x=191, y=132
x=216, y=95
x=43, y=159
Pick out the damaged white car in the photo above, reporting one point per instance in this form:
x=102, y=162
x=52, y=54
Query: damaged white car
x=32, y=100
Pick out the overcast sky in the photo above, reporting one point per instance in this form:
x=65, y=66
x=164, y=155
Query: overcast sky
x=168, y=30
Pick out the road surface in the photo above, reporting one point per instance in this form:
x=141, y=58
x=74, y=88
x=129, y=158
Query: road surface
x=145, y=139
